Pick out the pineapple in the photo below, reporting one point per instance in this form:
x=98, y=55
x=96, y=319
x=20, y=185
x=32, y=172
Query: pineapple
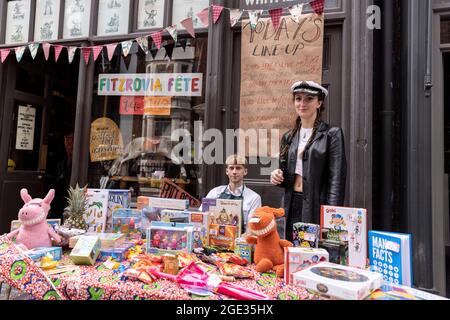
x=77, y=205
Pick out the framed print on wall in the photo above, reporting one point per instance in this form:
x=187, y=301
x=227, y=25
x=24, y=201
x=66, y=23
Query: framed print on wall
x=77, y=18
x=183, y=9
x=113, y=17
x=46, y=25
x=150, y=14
x=17, y=21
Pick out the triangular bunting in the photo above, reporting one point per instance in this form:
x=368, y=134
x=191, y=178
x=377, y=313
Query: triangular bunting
x=96, y=51
x=189, y=25
x=172, y=30
x=46, y=48
x=204, y=17
x=33, y=49
x=169, y=49
x=111, y=48
x=157, y=38
x=296, y=12
x=86, y=51
x=217, y=11
x=318, y=6
x=71, y=53
x=154, y=52
x=143, y=43
x=254, y=17
x=183, y=43
x=19, y=52
x=275, y=15
x=235, y=15
x=126, y=46
x=4, y=53
x=58, y=50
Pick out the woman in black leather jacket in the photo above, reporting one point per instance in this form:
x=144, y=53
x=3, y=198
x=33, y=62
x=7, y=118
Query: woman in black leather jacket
x=312, y=160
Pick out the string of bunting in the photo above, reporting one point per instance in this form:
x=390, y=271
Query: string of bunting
x=204, y=15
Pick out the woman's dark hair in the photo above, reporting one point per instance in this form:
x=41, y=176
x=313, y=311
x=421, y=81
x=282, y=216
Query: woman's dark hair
x=298, y=124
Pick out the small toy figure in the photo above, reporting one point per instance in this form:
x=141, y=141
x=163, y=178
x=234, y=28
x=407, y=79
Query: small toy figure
x=34, y=230
x=164, y=243
x=174, y=242
x=156, y=241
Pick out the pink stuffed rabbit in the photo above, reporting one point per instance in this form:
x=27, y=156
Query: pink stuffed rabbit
x=34, y=230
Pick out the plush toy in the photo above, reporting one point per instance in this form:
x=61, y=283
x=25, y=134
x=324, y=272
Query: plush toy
x=34, y=230
x=269, y=251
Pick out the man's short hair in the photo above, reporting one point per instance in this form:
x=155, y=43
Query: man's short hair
x=236, y=160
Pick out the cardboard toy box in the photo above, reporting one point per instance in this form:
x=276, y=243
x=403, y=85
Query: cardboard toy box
x=152, y=212
x=200, y=221
x=337, y=281
x=119, y=253
x=107, y=240
x=86, y=250
x=165, y=237
x=224, y=212
x=306, y=235
x=243, y=249
x=174, y=216
x=128, y=222
x=223, y=236
x=296, y=259
x=37, y=253
x=97, y=210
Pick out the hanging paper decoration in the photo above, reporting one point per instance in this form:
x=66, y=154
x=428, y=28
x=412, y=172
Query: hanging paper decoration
x=143, y=43
x=157, y=38
x=154, y=52
x=296, y=12
x=4, y=53
x=183, y=43
x=189, y=25
x=111, y=48
x=217, y=11
x=33, y=49
x=96, y=51
x=126, y=46
x=46, y=48
x=169, y=49
x=318, y=6
x=86, y=51
x=235, y=15
x=275, y=15
x=58, y=50
x=71, y=52
x=19, y=52
x=204, y=17
x=172, y=30
x=254, y=17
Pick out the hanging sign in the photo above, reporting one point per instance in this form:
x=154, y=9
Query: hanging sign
x=26, y=120
x=106, y=140
x=158, y=106
x=271, y=61
x=151, y=84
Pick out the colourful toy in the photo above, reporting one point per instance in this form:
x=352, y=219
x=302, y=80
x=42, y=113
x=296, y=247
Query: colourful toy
x=34, y=230
x=269, y=251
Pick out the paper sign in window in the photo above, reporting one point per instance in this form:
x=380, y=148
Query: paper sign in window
x=157, y=106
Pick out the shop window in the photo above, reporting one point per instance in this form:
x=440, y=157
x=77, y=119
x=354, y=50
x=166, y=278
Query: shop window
x=131, y=133
x=183, y=9
x=445, y=31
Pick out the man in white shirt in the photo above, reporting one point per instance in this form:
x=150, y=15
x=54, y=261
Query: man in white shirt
x=236, y=170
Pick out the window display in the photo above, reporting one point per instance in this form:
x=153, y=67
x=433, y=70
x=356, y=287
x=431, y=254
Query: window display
x=183, y=9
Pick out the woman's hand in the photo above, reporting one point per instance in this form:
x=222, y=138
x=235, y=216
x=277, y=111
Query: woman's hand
x=276, y=177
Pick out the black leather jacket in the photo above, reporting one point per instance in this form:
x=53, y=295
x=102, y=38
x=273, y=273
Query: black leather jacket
x=324, y=171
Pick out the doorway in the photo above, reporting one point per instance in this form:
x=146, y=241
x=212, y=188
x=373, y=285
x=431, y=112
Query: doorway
x=37, y=132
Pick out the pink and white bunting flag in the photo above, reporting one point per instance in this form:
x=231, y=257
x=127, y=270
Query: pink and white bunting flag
x=71, y=53
x=19, y=52
x=275, y=15
x=111, y=48
x=296, y=12
x=204, y=17
x=254, y=17
x=189, y=25
x=318, y=6
x=86, y=51
x=33, y=49
x=46, y=48
x=157, y=38
x=4, y=53
x=96, y=51
x=172, y=30
x=58, y=50
x=235, y=16
x=143, y=43
x=126, y=46
x=217, y=11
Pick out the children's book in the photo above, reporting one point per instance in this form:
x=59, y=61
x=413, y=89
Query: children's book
x=97, y=210
x=224, y=212
x=306, y=235
x=117, y=199
x=347, y=225
x=390, y=254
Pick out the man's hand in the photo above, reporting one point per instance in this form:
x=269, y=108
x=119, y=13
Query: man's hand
x=276, y=177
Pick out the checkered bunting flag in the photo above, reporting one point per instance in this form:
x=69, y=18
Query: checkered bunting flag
x=217, y=11
x=318, y=6
x=275, y=15
x=86, y=54
x=157, y=38
x=4, y=53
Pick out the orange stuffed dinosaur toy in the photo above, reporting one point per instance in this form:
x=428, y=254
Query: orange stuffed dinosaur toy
x=269, y=252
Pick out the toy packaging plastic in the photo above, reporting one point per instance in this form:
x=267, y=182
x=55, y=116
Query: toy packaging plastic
x=306, y=235
x=128, y=222
x=200, y=221
x=164, y=237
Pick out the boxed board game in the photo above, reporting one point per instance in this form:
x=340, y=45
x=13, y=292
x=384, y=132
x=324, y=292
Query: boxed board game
x=296, y=259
